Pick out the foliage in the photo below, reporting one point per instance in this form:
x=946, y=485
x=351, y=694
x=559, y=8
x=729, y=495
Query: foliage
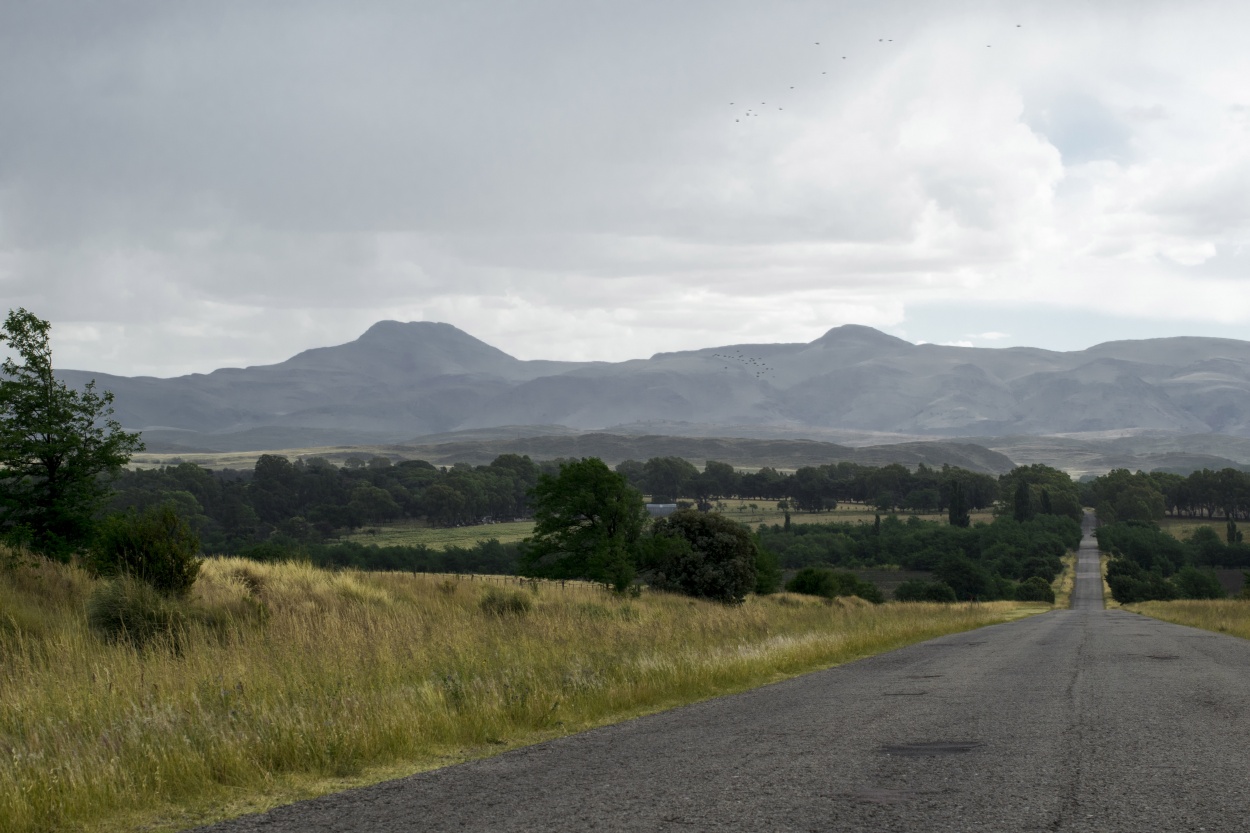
x=155, y=546
x=918, y=590
x=1147, y=564
x=56, y=443
x=1035, y=589
x=1040, y=489
x=983, y=561
x=815, y=581
x=587, y=520
x=767, y=571
x=702, y=554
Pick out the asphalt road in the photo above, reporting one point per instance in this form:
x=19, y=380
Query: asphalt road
x=1084, y=719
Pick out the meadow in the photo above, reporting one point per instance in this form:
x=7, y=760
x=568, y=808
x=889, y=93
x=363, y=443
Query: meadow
x=284, y=681
x=751, y=513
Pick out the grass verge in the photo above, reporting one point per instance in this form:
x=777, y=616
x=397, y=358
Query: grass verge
x=286, y=681
x=1064, y=582
x=1231, y=616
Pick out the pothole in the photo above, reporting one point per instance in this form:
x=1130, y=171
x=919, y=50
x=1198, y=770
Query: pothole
x=923, y=676
x=1162, y=656
x=930, y=749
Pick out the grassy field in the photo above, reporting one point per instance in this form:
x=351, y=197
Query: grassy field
x=752, y=513
x=287, y=681
x=1231, y=616
x=412, y=534
x=1182, y=528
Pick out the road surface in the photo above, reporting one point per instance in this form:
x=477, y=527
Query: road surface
x=1076, y=720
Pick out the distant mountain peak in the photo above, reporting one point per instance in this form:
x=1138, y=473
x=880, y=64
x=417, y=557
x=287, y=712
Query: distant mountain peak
x=859, y=334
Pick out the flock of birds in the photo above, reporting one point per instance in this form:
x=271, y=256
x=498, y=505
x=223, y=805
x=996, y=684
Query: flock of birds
x=752, y=113
x=751, y=363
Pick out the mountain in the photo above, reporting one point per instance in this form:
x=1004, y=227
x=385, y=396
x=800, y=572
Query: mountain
x=403, y=381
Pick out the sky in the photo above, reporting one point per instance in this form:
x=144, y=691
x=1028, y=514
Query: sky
x=186, y=186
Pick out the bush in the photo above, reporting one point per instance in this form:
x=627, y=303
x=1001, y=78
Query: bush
x=816, y=581
x=498, y=602
x=1192, y=583
x=126, y=610
x=1035, y=589
x=156, y=547
x=705, y=555
x=918, y=590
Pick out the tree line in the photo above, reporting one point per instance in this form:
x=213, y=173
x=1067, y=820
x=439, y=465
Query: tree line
x=1121, y=495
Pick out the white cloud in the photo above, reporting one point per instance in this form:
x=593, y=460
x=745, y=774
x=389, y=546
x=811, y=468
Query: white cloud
x=568, y=181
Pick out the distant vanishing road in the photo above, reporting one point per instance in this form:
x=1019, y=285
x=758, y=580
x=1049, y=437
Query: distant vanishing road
x=1085, y=719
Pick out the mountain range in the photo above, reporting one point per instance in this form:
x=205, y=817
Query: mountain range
x=408, y=382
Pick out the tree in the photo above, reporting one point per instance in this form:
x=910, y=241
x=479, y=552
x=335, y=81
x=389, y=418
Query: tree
x=587, y=520
x=701, y=554
x=56, y=444
x=958, y=511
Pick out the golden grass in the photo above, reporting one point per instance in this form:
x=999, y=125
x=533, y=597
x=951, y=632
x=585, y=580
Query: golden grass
x=356, y=677
x=1231, y=616
x=1064, y=582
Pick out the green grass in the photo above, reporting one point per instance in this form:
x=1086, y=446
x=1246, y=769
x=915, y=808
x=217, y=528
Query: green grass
x=289, y=681
x=411, y=534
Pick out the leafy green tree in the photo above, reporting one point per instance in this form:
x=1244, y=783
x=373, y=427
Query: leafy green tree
x=957, y=513
x=57, y=445
x=587, y=520
x=701, y=554
x=667, y=477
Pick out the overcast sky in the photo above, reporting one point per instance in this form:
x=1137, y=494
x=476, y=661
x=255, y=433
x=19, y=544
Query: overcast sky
x=186, y=185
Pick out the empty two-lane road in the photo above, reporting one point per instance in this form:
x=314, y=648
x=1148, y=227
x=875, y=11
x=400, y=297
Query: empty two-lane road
x=1084, y=719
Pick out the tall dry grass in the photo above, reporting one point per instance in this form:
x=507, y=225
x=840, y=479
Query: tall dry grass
x=1230, y=616
x=290, y=681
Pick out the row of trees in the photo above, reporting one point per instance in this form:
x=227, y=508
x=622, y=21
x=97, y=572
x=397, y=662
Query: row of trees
x=590, y=523
x=816, y=488
x=310, y=501
x=985, y=561
x=1148, y=563
x=1121, y=495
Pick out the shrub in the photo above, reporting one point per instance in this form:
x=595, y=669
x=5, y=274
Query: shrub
x=156, y=546
x=918, y=590
x=1035, y=589
x=126, y=610
x=498, y=602
x=1192, y=583
x=700, y=554
x=816, y=581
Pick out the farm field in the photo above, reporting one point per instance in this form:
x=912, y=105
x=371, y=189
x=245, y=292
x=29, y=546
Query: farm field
x=752, y=513
x=285, y=681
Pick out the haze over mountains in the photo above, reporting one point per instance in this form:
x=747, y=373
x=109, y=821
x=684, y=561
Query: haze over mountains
x=403, y=381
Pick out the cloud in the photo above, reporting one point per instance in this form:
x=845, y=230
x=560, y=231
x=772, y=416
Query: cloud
x=186, y=186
